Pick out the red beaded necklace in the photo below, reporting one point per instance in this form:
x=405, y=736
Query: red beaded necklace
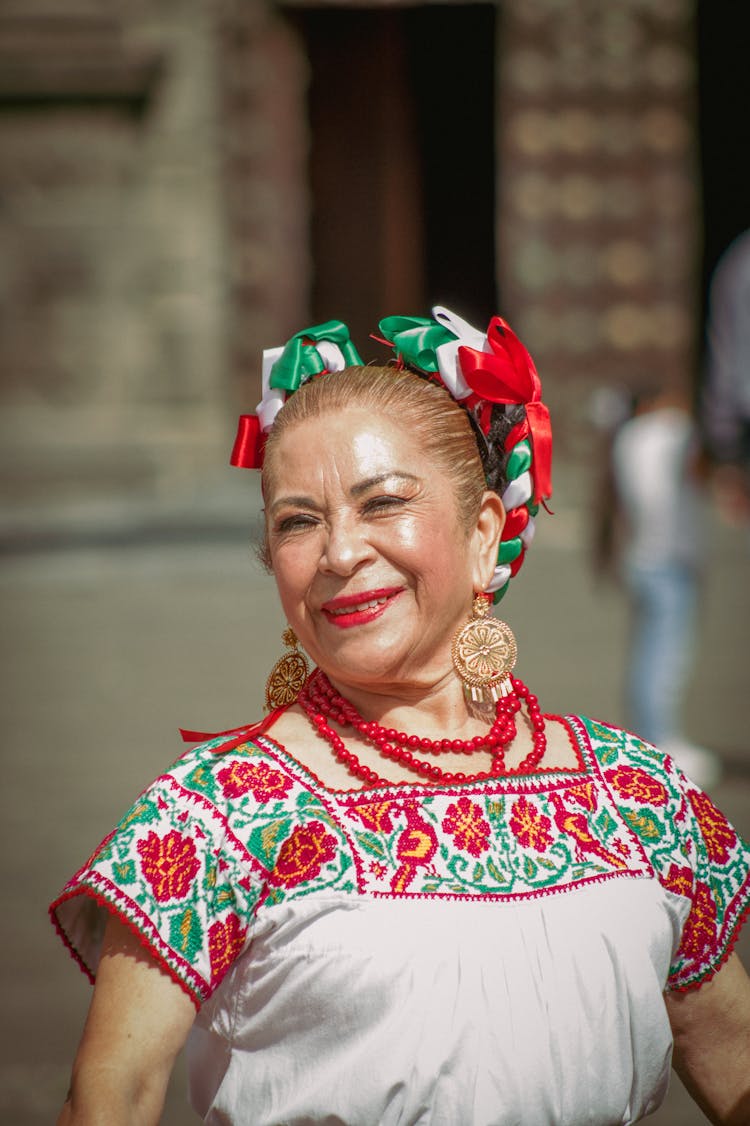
x=320, y=701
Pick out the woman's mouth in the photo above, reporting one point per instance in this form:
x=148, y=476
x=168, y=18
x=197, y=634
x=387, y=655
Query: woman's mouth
x=357, y=609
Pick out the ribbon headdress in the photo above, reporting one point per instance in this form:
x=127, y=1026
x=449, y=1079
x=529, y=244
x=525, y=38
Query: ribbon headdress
x=481, y=372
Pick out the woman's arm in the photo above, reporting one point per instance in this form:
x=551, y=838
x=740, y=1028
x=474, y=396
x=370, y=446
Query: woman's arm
x=711, y=1029
x=138, y=1020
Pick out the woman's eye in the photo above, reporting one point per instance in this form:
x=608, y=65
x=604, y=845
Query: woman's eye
x=381, y=504
x=295, y=523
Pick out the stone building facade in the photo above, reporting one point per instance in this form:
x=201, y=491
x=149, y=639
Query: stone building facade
x=186, y=182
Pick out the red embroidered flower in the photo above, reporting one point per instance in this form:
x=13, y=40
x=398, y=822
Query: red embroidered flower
x=303, y=854
x=530, y=826
x=679, y=880
x=225, y=940
x=718, y=834
x=467, y=825
x=375, y=815
x=634, y=783
x=265, y=782
x=169, y=864
x=699, y=935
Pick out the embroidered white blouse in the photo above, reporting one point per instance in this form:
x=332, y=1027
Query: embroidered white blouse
x=483, y=954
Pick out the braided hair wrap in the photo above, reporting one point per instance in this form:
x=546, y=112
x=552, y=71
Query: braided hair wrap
x=494, y=379
x=490, y=375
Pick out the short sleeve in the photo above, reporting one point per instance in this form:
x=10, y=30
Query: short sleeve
x=698, y=857
x=178, y=877
x=715, y=876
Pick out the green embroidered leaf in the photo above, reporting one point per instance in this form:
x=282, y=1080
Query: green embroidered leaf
x=608, y=756
x=529, y=868
x=372, y=844
x=263, y=839
x=125, y=871
x=543, y=862
x=202, y=779
x=210, y=880
x=644, y=824
x=143, y=812
x=605, y=823
x=495, y=872
x=478, y=873
x=224, y=897
x=186, y=933
x=430, y=887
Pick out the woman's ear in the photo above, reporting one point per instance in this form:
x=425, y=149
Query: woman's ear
x=486, y=539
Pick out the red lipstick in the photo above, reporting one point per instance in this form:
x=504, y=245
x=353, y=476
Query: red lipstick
x=356, y=609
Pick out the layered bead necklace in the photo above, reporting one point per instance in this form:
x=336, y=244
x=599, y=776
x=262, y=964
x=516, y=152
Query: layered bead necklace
x=321, y=702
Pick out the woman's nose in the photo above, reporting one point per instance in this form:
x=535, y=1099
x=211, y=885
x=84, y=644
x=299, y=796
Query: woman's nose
x=346, y=547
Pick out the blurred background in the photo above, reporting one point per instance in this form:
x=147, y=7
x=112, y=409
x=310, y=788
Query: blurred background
x=186, y=182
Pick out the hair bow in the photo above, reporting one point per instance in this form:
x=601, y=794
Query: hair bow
x=322, y=348
x=480, y=369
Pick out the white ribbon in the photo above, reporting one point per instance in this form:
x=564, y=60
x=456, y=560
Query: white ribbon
x=527, y=535
x=518, y=492
x=447, y=354
x=500, y=578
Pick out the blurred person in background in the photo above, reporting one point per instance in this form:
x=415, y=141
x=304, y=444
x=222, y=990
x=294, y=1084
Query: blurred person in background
x=725, y=410
x=657, y=504
x=407, y=895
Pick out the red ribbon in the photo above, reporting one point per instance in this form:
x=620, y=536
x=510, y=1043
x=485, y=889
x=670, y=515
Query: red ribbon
x=249, y=444
x=236, y=735
x=507, y=375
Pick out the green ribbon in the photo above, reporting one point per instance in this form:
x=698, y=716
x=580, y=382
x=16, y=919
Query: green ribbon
x=519, y=460
x=416, y=339
x=509, y=550
x=301, y=360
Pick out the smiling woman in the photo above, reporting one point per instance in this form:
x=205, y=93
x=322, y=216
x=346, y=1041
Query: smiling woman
x=407, y=895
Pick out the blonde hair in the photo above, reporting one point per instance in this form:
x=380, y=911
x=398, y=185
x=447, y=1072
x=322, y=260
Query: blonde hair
x=419, y=405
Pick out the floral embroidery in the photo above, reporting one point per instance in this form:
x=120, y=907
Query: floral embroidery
x=699, y=933
x=169, y=864
x=376, y=815
x=225, y=940
x=241, y=777
x=718, y=834
x=469, y=829
x=633, y=782
x=215, y=840
x=303, y=854
x=529, y=826
x=679, y=880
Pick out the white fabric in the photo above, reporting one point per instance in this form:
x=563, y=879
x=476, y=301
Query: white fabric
x=518, y=492
x=387, y=1012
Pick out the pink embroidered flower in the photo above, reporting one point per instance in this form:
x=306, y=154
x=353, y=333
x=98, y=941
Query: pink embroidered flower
x=225, y=940
x=468, y=827
x=530, y=826
x=634, y=783
x=303, y=854
x=699, y=934
x=169, y=864
x=265, y=782
x=378, y=869
x=718, y=834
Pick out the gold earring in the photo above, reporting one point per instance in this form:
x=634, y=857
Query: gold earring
x=484, y=652
x=288, y=675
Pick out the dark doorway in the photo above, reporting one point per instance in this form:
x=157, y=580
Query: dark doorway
x=402, y=161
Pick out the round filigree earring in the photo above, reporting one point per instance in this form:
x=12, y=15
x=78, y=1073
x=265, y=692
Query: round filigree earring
x=484, y=652
x=288, y=675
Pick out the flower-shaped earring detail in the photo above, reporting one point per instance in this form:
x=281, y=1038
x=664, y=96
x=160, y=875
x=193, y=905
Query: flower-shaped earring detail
x=484, y=653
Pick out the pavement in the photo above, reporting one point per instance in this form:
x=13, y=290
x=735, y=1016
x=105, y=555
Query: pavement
x=122, y=625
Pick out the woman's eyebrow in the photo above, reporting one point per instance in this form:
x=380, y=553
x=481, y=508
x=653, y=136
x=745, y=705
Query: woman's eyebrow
x=294, y=502
x=372, y=482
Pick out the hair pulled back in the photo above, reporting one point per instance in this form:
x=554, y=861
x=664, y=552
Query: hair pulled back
x=421, y=406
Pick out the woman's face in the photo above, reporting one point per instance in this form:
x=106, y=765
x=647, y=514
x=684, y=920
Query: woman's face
x=375, y=569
